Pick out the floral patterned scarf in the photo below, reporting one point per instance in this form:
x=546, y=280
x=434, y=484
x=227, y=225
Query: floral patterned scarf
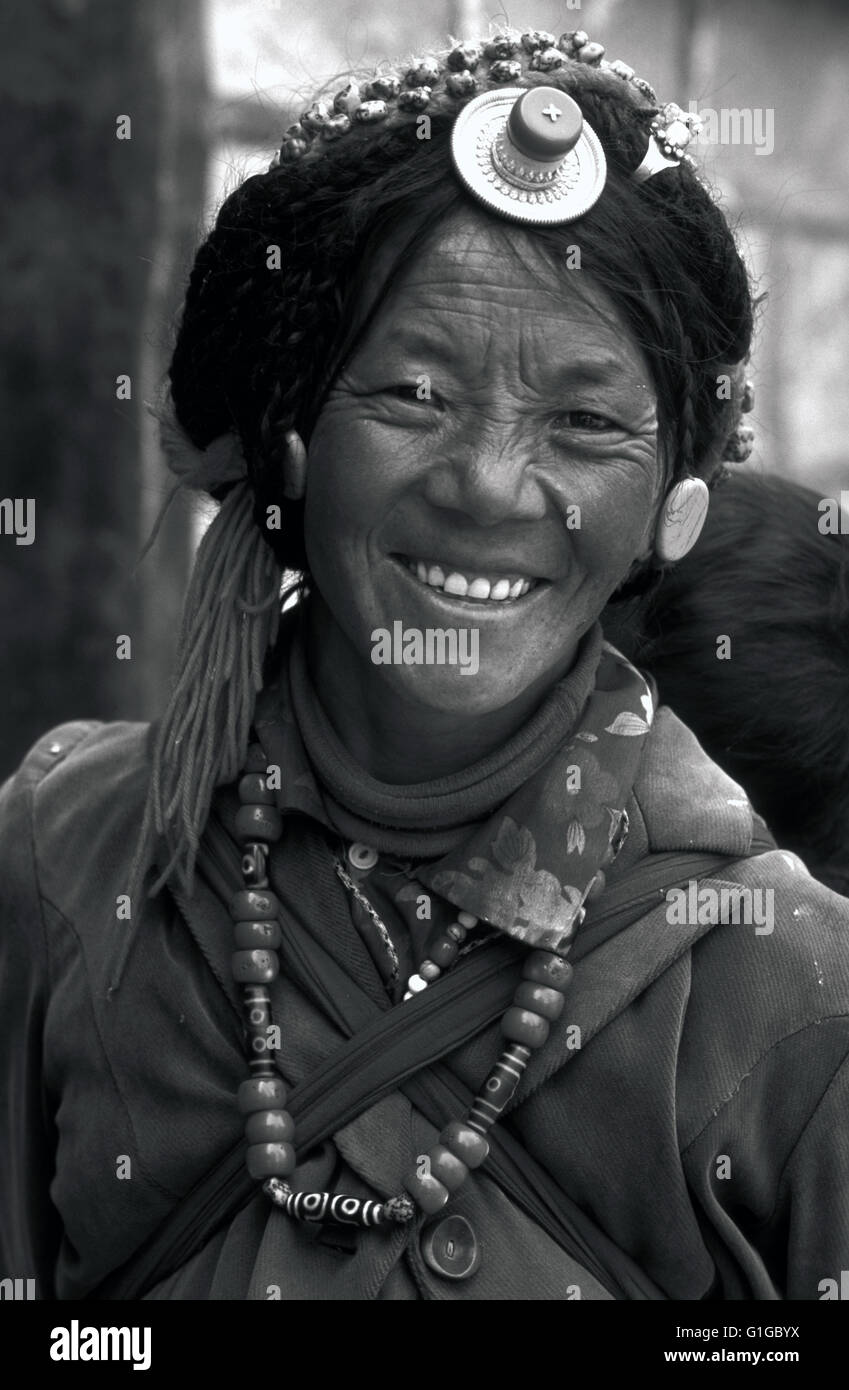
x=517, y=840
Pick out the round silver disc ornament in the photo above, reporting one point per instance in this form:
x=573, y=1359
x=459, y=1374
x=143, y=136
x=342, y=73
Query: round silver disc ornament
x=555, y=175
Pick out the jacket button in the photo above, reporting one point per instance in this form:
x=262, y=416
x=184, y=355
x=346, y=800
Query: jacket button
x=362, y=857
x=450, y=1248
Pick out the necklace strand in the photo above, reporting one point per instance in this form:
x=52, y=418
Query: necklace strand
x=269, y=1127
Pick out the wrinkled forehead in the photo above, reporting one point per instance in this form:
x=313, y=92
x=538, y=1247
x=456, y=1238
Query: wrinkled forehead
x=475, y=281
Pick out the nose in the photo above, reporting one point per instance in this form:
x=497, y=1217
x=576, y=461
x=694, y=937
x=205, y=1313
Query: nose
x=489, y=476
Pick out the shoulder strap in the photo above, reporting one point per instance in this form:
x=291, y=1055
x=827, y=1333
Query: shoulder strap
x=401, y=1049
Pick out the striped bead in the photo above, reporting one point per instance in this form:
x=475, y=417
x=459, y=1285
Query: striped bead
x=428, y=1193
x=429, y=971
x=261, y=1094
x=258, y=823
x=270, y=1160
x=257, y=935
x=254, y=967
x=344, y=1211
x=499, y=1088
x=254, y=790
x=546, y=968
x=270, y=1127
x=540, y=999
x=456, y=932
x=256, y=1012
x=254, y=905
x=525, y=1026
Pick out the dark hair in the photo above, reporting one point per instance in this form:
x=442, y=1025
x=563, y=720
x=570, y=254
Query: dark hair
x=775, y=714
x=258, y=347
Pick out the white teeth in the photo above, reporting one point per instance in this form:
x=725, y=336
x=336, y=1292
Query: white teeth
x=456, y=584
x=459, y=586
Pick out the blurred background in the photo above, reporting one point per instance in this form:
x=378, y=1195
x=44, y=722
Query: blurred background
x=97, y=235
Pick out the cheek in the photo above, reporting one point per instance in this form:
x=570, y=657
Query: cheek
x=618, y=507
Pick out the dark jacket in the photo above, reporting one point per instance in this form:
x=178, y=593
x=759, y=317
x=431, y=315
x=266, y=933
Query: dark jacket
x=703, y=1121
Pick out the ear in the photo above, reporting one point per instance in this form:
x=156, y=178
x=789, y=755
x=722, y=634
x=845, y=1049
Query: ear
x=294, y=466
x=682, y=516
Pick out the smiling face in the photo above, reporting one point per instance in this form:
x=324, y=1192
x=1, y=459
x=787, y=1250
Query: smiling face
x=487, y=461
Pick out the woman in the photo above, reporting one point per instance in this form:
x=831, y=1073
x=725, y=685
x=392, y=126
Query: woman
x=763, y=601
x=454, y=360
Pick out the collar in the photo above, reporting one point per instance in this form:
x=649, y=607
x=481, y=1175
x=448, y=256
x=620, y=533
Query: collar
x=556, y=795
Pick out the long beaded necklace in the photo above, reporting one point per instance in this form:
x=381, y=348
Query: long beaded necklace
x=269, y=1127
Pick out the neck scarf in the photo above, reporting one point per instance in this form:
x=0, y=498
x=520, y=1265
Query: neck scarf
x=517, y=838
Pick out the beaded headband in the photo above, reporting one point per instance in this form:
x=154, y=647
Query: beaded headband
x=527, y=153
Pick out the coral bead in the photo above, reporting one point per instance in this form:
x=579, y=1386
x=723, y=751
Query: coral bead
x=447, y=1168
x=270, y=1160
x=253, y=790
x=523, y=1026
x=254, y=967
x=268, y=1093
x=250, y=936
x=270, y=1127
x=254, y=905
x=258, y=823
x=467, y=920
x=444, y=952
x=465, y=1143
x=428, y=1193
x=545, y=968
x=540, y=999
x=256, y=760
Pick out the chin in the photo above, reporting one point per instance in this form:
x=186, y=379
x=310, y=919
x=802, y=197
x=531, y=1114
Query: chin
x=462, y=689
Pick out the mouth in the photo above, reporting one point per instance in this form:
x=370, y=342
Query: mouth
x=490, y=589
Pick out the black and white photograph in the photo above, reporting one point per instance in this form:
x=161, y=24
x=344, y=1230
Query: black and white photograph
x=424, y=732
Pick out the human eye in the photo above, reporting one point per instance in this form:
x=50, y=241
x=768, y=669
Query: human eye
x=587, y=421
x=415, y=392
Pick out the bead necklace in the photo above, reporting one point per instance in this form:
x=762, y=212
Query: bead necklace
x=443, y=953
x=269, y=1127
